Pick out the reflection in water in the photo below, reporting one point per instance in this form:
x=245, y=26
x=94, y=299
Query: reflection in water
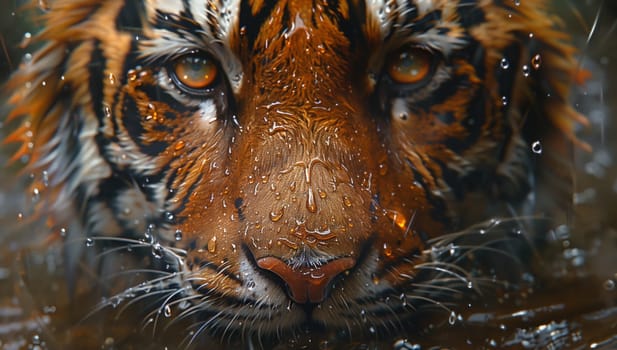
x=571, y=304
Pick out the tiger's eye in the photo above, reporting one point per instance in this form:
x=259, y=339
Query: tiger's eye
x=195, y=71
x=410, y=66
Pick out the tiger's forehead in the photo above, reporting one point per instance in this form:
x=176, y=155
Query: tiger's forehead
x=218, y=26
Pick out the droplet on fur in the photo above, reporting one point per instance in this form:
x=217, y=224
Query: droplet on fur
x=212, y=244
x=347, y=201
x=403, y=298
x=277, y=215
x=387, y=250
x=504, y=63
x=179, y=145
x=536, y=147
x=167, y=311
x=26, y=40
x=526, y=70
x=89, y=242
x=452, y=318
x=536, y=61
x=45, y=176
x=178, y=235
x=363, y=315
x=36, y=194
x=322, y=194
x=132, y=75
x=106, y=110
x=157, y=251
x=112, y=78
x=403, y=344
x=310, y=201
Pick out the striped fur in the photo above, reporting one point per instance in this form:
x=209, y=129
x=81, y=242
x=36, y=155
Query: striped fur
x=303, y=149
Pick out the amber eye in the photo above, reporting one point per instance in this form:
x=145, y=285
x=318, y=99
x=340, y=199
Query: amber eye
x=195, y=71
x=410, y=65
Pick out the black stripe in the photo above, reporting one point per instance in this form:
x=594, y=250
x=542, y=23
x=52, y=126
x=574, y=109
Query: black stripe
x=470, y=14
x=96, y=67
x=178, y=24
x=129, y=17
x=250, y=24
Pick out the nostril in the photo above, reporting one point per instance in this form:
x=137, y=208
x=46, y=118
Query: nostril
x=306, y=284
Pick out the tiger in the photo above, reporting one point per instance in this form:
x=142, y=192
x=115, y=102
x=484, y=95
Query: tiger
x=282, y=164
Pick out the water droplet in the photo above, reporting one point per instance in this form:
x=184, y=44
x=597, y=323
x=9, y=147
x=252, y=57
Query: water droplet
x=157, y=251
x=536, y=147
x=27, y=38
x=517, y=2
x=322, y=194
x=112, y=78
x=276, y=216
x=132, y=76
x=310, y=201
x=45, y=176
x=536, y=61
x=179, y=145
x=505, y=64
x=178, y=235
x=403, y=344
x=387, y=250
x=346, y=201
x=504, y=100
x=452, y=318
x=526, y=70
x=89, y=242
x=250, y=285
x=609, y=285
x=383, y=169
x=27, y=59
x=106, y=110
x=403, y=298
x=212, y=244
x=452, y=249
x=36, y=194
x=167, y=311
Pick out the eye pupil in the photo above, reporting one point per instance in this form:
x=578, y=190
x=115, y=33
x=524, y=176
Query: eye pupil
x=195, y=71
x=410, y=66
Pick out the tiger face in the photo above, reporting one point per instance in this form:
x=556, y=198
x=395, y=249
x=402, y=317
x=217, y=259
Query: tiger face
x=296, y=162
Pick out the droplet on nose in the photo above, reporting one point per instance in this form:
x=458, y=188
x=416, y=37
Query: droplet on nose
x=306, y=284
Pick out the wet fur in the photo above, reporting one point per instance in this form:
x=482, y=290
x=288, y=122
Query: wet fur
x=81, y=141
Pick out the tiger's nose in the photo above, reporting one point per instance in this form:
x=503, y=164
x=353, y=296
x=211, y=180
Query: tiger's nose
x=306, y=284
